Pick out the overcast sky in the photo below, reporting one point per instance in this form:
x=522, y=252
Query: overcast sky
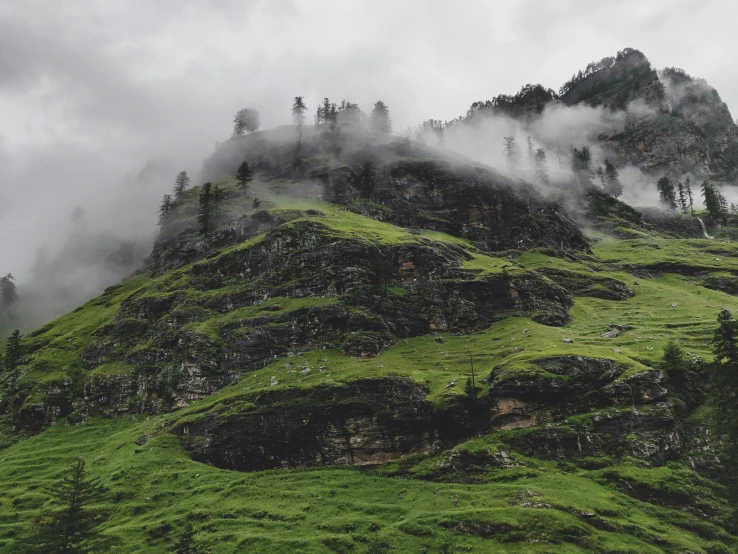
x=91, y=90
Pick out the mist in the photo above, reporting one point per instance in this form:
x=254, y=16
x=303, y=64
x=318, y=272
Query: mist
x=103, y=103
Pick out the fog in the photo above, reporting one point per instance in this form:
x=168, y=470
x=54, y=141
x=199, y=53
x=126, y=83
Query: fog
x=102, y=102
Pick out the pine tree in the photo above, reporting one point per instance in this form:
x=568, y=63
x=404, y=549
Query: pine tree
x=13, y=350
x=205, y=211
x=613, y=186
x=723, y=202
x=365, y=180
x=326, y=110
x=688, y=190
x=381, y=120
x=164, y=208
x=580, y=165
x=298, y=116
x=335, y=132
x=674, y=364
x=682, y=197
x=541, y=167
x=713, y=202
x=256, y=203
x=531, y=153
x=8, y=292
x=180, y=184
x=70, y=529
x=349, y=114
x=666, y=193
x=724, y=397
x=217, y=199
x=244, y=176
x=510, y=152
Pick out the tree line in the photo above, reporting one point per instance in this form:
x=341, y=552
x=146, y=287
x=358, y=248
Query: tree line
x=677, y=196
x=581, y=166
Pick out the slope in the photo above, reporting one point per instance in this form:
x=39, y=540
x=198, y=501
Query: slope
x=319, y=345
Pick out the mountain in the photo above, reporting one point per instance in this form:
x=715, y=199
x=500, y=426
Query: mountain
x=386, y=347
x=675, y=124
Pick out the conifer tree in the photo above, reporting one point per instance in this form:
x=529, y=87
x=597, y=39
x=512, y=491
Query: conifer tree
x=580, y=165
x=180, y=184
x=365, y=180
x=613, y=186
x=723, y=205
x=164, y=208
x=13, y=350
x=205, y=211
x=531, y=153
x=714, y=201
x=541, y=167
x=71, y=528
x=349, y=114
x=335, y=132
x=682, y=197
x=244, y=176
x=256, y=203
x=326, y=110
x=510, y=152
x=381, y=120
x=666, y=193
x=217, y=199
x=724, y=396
x=298, y=116
x=688, y=190
x=8, y=292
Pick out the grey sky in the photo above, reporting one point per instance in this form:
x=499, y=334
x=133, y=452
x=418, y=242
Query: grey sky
x=93, y=89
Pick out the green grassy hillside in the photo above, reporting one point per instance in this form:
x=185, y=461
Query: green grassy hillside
x=528, y=461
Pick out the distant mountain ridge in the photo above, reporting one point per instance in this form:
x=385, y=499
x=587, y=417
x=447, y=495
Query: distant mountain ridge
x=683, y=125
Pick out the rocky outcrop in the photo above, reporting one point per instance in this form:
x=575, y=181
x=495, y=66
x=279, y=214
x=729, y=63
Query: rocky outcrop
x=492, y=211
x=624, y=415
x=616, y=82
x=594, y=286
x=367, y=421
x=565, y=408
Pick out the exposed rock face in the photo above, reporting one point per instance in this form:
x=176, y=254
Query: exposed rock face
x=616, y=82
x=363, y=422
x=589, y=285
x=626, y=415
x=379, y=420
x=674, y=124
x=492, y=211
x=689, y=129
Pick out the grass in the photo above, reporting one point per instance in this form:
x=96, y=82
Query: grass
x=412, y=506
x=154, y=489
